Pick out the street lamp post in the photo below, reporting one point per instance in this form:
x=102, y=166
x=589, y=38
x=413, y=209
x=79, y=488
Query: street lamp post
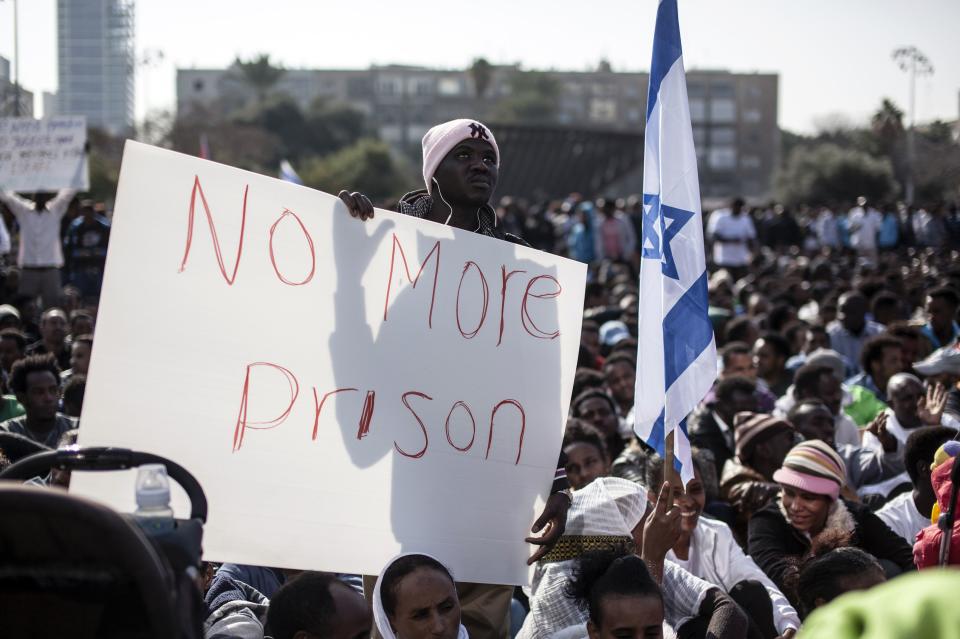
x=911, y=60
x=16, y=63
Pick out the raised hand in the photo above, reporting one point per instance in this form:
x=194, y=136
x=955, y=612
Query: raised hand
x=552, y=521
x=358, y=204
x=930, y=407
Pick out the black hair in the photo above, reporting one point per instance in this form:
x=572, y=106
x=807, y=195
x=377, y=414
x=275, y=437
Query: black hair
x=922, y=445
x=621, y=356
x=819, y=329
x=778, y=343
x=727, y=387
x=74, y=389
x=779, y=316
x=946, y=294
x=807, y=380
x=733, y=348
x=303, y=603
x=587, y=379
x=16, y=336
x=398, y=570
x=579, y=431
x=884, y=299
x=903, y=330
x=590, y=393
x=590, y=325
x=614, y=572
x=804, y=403
x=737, y=329
x=31, y=364
x=823, y=576
x=873, y=348
x=653, y=472
x=627, y=345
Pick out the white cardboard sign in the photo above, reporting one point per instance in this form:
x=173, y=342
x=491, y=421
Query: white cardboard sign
x=43, y=155
x=344, y=391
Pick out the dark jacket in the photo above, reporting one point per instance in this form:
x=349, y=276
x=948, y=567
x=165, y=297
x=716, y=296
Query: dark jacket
x=704, y=432
x=777, y=547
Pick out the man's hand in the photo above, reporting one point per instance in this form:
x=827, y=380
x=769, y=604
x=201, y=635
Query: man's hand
x=662, y=528
x=789, y=633
x=358, y=204
x=552, y=521
x=930, y=408
x=879, y=428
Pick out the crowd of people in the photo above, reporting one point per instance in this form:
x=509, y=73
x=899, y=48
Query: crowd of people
x=822, y=455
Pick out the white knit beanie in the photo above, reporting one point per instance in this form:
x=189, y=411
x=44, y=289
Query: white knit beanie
x=441, y=139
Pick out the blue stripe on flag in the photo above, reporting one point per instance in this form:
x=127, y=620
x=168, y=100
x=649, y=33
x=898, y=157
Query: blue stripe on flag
x=686, y=330
x=657, y=439
x=666, y=48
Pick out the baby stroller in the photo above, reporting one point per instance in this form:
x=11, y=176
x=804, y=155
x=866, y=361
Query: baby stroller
x=70, y=567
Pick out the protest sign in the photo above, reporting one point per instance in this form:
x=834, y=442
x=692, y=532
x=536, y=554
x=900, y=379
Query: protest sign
x=43, y=155
x=343, y=390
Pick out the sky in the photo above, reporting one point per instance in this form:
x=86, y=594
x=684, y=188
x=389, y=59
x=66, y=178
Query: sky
x=833, y=56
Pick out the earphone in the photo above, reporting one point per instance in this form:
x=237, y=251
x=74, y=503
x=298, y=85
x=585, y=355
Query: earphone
x=442, y=199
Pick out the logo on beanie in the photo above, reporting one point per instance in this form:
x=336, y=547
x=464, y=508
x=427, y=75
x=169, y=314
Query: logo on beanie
x=478, y=131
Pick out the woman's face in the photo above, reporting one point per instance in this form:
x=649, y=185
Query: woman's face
x=690, y=502
x=427, y=606
x=584, y=464
x=807, y=511
x=628, y=617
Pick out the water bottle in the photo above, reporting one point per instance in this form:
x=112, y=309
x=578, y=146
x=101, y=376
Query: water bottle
x=153, y=512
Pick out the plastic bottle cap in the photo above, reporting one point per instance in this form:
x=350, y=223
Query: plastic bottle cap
x=153, y=486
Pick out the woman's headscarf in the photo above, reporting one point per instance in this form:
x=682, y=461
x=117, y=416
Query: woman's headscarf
x=380, y=615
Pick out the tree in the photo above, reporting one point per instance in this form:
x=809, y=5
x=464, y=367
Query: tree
x=482, y=73
x=532, y=99
x=367, y=166
x=829, y=173
x=260, y=74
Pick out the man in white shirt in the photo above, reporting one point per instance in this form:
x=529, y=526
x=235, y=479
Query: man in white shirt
x=865, y=222
x=40, y=257
x=732, y=232
x=826, y=229
x=909, y=513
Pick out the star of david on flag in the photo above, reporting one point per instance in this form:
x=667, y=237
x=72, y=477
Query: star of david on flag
x=676, y=354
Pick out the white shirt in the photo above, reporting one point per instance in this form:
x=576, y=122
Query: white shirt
x=737, y=230
x=39, y=232
x=826, y=229
x=864, y=227
x=903, y=518
x=716, y=558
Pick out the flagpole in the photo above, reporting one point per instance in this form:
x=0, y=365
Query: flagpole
x=668, y=469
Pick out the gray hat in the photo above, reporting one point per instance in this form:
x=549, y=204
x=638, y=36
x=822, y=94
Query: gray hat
x=942, y=360
x=831, y=358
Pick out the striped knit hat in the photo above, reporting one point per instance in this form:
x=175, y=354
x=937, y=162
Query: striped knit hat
x=752, y=429
x=814, y=467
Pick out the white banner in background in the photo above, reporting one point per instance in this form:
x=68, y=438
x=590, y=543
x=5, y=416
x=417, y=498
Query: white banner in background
x=43, y=155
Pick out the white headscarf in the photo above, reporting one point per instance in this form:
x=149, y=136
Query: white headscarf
x=607, y=506
x=380, y=615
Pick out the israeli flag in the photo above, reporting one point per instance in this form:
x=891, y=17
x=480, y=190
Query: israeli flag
x=677, y=354
x=287, y=173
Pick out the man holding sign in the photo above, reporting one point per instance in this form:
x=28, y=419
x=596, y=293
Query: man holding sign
x=41, y=256
x=461, y=163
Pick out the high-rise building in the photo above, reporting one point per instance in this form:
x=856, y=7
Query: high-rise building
x=9, y=94
x=95, y=53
